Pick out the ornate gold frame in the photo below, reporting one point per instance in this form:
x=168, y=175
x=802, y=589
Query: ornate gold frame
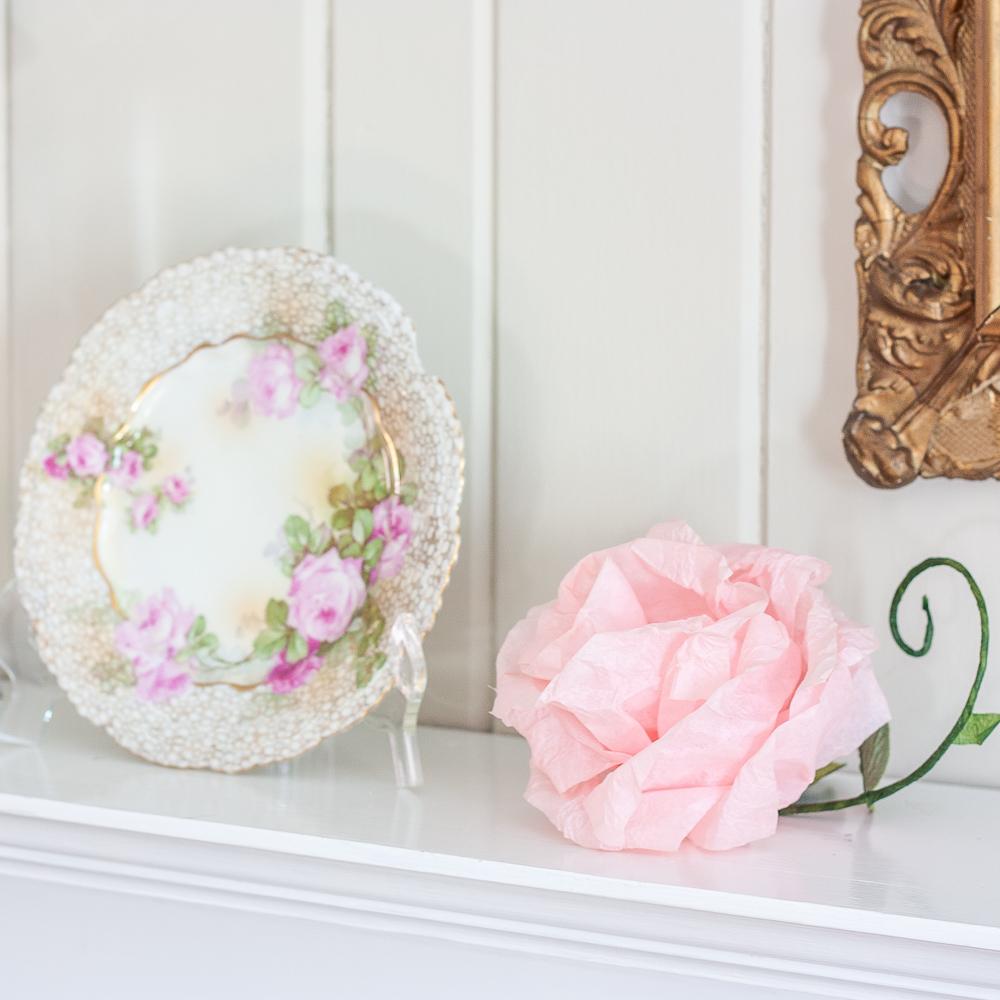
x=928, y=369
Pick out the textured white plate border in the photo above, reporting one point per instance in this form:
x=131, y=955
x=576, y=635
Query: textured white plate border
x=206, y=301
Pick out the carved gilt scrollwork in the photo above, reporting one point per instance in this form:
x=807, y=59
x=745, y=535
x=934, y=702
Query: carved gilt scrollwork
x=928, y=368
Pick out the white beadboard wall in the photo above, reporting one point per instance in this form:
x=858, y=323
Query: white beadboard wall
x=619, y=281
x=623, y=229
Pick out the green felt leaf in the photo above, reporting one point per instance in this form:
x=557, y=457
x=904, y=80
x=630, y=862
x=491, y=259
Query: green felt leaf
x=310, y=395
x=824, y=771
x=269, y=643
x=196, y=629
x=298, y=648
x=297, y=532
x=364, y=522
x=978, y=727
x=277, y=613
x=874, y=754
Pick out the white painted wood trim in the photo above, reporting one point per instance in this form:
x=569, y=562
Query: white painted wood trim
x=707, y=935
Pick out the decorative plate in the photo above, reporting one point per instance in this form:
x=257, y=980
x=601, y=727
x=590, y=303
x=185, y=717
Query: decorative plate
x=243, y=476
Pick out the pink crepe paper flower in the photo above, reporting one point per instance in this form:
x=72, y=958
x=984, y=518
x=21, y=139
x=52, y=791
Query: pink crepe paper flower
x=677, y=690
x=394, y=524
x=286, y=677
x=55, y=468
x=86, y=455
x=156, y=631
x=325, y=593
x=176, y=489
x=274, y=386
x=126, y=474
x=145, y=510
x=345, y=368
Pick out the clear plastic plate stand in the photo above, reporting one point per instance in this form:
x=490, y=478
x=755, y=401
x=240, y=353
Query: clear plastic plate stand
x=27, y=690
x=397, y=712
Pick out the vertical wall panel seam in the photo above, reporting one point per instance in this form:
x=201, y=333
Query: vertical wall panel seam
x=484, y=375
x=331, y=220
x=495, y=639
x=765, y=277
x=6, y=276
x=494, y=381
x=315, y=124
x=751, y=405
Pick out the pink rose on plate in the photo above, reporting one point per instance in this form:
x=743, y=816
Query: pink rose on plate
x=274, y=386
x=394, y=524
x=145, y=510
x=54, y=468
x=155, y=632
x=345, y=370
x=126, y=474
x=286, y=677
x=326, y=592
x=678, y=690
x=162, y=681
x=176, y=489
x=86, y=455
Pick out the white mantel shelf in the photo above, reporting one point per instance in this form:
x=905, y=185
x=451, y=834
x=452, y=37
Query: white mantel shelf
x=320, y=872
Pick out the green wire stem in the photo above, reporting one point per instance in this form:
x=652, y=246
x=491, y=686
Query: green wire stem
x=871, y=797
